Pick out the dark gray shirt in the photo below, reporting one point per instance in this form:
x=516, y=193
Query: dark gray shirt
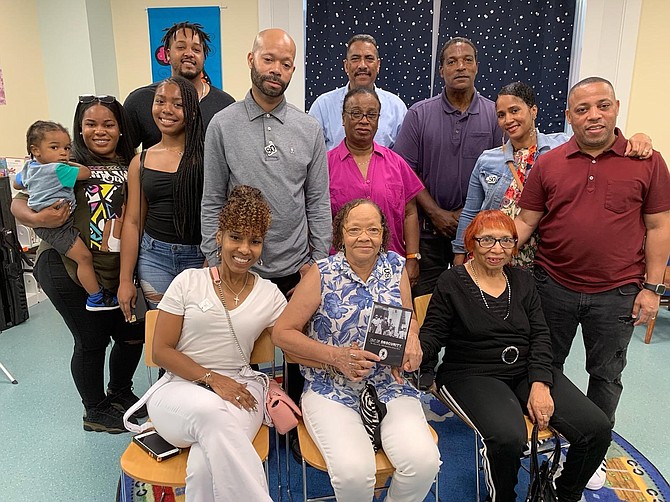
x=283, y=154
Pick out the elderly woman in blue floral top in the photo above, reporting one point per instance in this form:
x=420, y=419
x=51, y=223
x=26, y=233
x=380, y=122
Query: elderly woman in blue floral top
x=336, y=298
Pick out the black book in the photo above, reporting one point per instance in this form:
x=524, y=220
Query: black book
x=387, y=333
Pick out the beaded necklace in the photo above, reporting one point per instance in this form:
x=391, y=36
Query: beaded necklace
x=509, y=290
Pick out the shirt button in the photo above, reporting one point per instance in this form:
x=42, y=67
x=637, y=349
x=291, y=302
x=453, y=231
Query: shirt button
x=267, y=115
x=593, y=161
x=269, y=128
x=590, y=178
x=367, y=182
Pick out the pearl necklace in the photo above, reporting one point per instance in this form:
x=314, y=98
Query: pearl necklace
x=237, y=295
x=509, y=290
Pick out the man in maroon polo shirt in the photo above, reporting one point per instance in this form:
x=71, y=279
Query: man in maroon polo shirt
x=604, y=222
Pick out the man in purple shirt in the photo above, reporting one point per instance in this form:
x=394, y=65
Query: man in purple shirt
x=441, y=139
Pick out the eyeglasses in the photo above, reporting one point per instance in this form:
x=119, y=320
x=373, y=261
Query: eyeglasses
x=91, y=98
x=358, y=115
x=488, y=242
x=357, y=232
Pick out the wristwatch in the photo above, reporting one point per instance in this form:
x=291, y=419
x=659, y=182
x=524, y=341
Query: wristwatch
x=659, y=289
x=413, y=256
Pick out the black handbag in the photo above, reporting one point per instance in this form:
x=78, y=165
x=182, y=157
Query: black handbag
x=372, y=412
x=541, y=487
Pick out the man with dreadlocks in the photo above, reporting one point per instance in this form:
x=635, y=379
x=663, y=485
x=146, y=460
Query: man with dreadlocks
x=186, y=46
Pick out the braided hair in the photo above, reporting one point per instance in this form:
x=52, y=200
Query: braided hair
x=196, y=28
x=187, y=183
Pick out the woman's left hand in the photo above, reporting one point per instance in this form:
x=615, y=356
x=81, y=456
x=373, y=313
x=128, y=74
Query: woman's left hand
x=540, y=404
x=639, y=145
x=411, y=360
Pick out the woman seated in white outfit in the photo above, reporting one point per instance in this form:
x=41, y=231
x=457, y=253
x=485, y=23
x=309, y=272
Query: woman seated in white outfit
x=336, y=298
x=210, y=399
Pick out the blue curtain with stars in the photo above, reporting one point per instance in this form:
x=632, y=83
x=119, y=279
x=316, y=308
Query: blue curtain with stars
x=403, y=31
x=527, y=40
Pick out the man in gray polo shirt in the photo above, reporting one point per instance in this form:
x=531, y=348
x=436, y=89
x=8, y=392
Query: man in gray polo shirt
x=269, y=144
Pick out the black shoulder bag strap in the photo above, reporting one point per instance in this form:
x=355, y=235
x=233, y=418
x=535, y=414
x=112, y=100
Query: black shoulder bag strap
x=541, y=485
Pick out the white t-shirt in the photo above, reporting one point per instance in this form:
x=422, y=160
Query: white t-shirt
x=205, y=335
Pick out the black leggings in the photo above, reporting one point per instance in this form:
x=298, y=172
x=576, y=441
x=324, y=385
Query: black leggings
x=496, y=407
x=91, y=332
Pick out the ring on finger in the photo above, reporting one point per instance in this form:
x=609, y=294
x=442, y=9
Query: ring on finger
x=237, y=398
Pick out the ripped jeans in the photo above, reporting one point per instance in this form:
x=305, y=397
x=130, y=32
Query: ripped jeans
x=160, y=262
x=606, y=338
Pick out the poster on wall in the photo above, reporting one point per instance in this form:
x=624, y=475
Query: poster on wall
x=161, y=18
x=3, y=99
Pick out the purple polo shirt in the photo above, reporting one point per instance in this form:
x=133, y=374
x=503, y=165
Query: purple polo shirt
x=441, y=144
x=390, y=183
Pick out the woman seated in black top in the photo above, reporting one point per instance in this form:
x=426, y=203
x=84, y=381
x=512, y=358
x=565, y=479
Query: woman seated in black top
x=498, y=363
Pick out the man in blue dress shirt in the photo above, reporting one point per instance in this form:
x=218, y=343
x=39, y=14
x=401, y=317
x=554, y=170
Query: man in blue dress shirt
x=362, y=66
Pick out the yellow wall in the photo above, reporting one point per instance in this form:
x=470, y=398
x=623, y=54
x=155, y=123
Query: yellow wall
x=239, y=25
x=23, y=72
x=649, y=107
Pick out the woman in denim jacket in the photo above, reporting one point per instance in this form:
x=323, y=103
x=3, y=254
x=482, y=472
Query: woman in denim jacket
x=499, y=175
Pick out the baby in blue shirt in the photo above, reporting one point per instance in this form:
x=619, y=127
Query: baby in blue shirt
x=49, y=177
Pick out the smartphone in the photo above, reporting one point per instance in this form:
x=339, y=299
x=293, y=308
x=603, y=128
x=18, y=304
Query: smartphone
x=155, y=445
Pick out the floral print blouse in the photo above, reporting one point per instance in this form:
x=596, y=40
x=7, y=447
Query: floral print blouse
x=524, y=158
x=342, y=320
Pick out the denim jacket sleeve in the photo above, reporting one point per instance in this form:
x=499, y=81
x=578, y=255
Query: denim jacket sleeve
x=488, y=175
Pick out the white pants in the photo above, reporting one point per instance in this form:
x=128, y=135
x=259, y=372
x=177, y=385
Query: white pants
x=222, y=464
x=340, y=436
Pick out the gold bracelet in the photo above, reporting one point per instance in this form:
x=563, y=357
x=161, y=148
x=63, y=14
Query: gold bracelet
x=204, y=379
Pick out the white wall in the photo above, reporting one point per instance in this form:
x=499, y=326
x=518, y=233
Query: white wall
x=288, y=15
x=609, y=45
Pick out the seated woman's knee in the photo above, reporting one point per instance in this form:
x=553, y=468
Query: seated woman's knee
x=510, y=441
x=353, y=474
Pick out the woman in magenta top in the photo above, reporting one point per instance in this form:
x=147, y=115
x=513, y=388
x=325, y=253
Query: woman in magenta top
x=360, y=168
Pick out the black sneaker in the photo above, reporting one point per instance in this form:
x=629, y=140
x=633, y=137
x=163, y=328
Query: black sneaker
x=124, y=399
x=105, y=418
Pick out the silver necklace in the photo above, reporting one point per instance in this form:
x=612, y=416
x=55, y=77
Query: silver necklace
x=509, y=290
x=237, y=295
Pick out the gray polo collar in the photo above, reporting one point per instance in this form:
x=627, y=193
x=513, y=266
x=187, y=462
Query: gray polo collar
x=254, y=110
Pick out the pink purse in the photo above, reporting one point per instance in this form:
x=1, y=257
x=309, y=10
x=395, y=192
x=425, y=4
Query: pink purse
x=281, y=408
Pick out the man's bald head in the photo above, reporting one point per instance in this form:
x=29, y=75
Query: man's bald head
x=272, y=63
x=271, y=37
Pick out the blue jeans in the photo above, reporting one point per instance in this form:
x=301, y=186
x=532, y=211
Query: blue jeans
x=606, y=338
x=160, y=262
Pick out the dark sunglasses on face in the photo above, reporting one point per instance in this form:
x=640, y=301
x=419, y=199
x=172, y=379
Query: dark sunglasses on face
x=90, y=98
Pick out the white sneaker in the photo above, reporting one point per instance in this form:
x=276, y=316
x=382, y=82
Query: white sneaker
x=599, y=477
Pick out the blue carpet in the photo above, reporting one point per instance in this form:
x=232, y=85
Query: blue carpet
x=630, y=476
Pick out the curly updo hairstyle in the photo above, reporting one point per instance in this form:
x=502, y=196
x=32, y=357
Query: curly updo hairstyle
x=246, y=211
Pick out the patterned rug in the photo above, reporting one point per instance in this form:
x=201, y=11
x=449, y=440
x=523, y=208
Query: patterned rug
x=630, y=476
